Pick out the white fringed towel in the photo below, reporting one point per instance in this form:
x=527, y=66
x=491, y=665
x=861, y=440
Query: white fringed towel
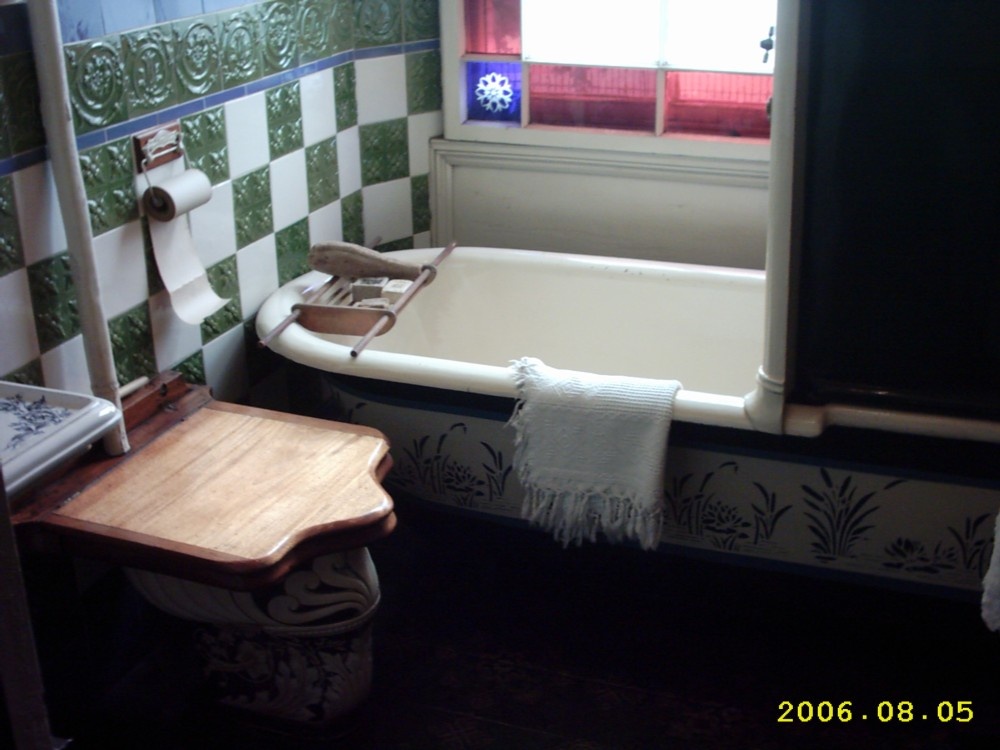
x=590, y=451
x=991, y=585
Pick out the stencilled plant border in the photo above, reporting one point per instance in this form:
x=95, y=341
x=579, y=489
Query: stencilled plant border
x=844, y=519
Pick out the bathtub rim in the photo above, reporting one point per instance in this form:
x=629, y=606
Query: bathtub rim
x=299, y=345
x=762, y=409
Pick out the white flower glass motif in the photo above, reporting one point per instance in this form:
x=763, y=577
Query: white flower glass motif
x=494, y=92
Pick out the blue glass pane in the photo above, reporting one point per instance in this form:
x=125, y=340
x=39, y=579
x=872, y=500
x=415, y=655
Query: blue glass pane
x=493, y=91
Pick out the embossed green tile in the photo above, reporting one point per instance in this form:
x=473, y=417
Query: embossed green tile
x=241, y=57
x=315, y=25
x=353, y=218
x=377, y=22
x=421, y=20
x=11, y=252
x=107, y=178
x=292, y=244
x=342, y=26
x=252, y=206
x=322, y=173
x=205, y=143
x=132, y=344
x=345, y=95
x=423, y=82
x=112, y=208
x=150, y=84
x=420, y=192
x=106, y=165
x=96, y=76
x=284, y=119
x=193, y=368
x=29, y=374
x=22, y=117
x=385, y=153
x=279, y=35
x=224, y=279
x=198, y=50
x=54, y=301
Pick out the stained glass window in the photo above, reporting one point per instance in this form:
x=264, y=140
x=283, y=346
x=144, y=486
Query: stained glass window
x=617, y=98
x=651, y=66
x=493, y=91
x=717, y=104
x=493, y=27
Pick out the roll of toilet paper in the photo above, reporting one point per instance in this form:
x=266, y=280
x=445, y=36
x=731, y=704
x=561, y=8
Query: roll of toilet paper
x=177, y=195
x=184, y=277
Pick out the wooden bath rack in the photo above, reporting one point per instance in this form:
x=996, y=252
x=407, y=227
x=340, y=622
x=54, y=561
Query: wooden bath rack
x=328, y=308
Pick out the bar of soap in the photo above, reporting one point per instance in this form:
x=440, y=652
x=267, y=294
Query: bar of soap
x=375, y=303
x=368, y=288
x=396, y=289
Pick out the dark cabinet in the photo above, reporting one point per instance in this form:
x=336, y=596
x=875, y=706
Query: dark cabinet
x=896, y=267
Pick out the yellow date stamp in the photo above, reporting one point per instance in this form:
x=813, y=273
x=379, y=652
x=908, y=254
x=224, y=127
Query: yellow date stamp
x=898, y=712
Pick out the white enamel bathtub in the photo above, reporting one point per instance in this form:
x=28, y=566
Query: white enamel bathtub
x=702, y=325
x=729, y=491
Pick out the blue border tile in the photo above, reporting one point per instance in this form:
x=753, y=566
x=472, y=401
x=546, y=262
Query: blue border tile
x=130, y=127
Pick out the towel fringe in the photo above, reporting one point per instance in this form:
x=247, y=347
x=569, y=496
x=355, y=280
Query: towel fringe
x=574, y=516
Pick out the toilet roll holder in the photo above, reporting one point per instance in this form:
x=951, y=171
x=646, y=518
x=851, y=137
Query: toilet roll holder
x=156, y=147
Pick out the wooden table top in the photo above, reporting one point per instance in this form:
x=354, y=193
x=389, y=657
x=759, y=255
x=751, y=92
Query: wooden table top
x=234, y=496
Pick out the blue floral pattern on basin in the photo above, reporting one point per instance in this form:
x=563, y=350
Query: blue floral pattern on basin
x=43, y=427
x=25, y=419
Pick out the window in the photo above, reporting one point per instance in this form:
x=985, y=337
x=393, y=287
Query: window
x=652, y=68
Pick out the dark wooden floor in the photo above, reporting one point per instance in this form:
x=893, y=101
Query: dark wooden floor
x=494, y=637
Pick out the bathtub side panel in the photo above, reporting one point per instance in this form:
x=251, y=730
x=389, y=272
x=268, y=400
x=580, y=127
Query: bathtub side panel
x=828, y=518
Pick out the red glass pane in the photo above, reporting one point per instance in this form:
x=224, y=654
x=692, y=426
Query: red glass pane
x=493, y=27
x=730, y=104
x=618, y=98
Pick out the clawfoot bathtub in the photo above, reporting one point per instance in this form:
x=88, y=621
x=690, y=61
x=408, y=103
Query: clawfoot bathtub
x=438, y=384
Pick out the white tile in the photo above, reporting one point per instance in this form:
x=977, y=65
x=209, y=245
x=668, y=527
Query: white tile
x=381, y=88
x=420, y=129
x=326, y=224
x=173, y=339
x=225, y=365
x=257, y=266
x=65, y=367
x=422, y=240
x=42, y=232
x=388, y=210
x=213, y=227
x=121, y=268
x=319, y=111
x=18, y=340
x=246, y=134
x=289, y=189
x=349, y=160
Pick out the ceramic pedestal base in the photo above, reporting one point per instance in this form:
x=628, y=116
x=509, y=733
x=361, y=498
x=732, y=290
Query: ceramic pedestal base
x=299, y=651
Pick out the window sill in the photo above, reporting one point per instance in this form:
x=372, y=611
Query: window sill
x=754, y=150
